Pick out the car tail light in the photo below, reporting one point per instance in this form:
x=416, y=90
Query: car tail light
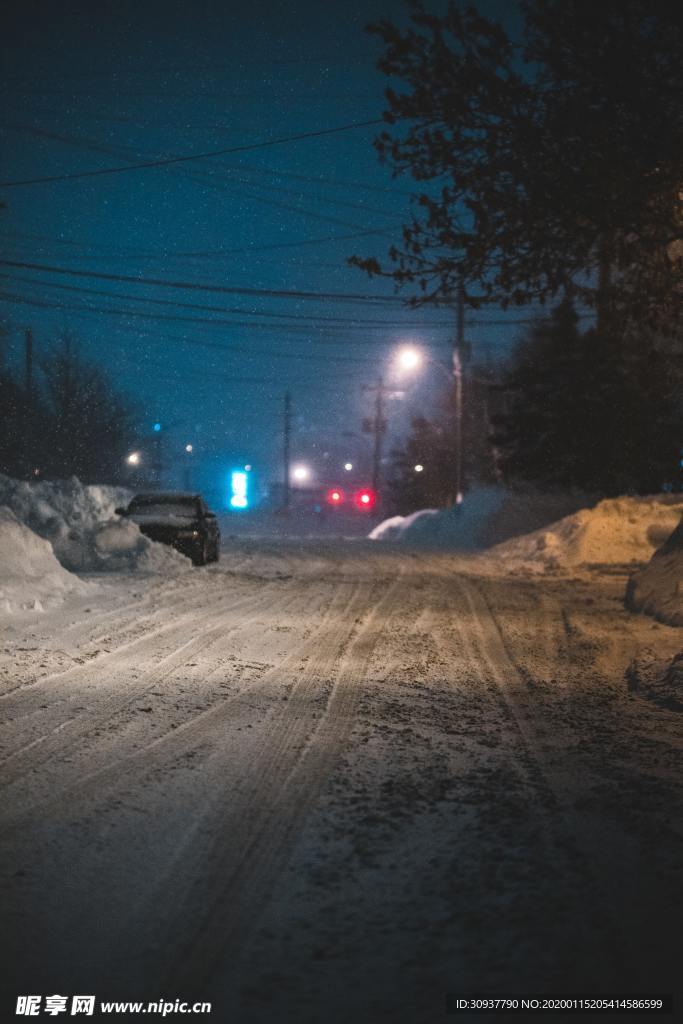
x=365, y=499
x=335, y=496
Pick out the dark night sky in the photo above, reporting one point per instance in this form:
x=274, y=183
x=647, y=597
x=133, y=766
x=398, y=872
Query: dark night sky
x=105, y=84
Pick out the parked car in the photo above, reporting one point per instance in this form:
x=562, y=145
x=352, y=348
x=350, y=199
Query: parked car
x=181, y=520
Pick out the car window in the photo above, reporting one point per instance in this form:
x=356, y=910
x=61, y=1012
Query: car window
x=164, y=509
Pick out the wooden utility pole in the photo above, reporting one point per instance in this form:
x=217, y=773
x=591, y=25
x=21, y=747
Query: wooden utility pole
x=287, y=433
x=377, y=425
x=28, y=346
x=458, y=351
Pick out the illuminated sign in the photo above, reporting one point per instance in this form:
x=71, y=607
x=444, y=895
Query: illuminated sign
x=238, y=489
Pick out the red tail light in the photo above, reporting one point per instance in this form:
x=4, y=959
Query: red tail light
x=335, y=496
x=365, y=499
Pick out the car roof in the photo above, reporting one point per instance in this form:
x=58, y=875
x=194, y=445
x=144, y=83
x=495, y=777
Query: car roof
x=167, y=496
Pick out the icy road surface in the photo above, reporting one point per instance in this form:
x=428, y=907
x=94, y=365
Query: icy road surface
x=334, y=783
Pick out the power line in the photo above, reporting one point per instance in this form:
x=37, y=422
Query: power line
x=263, y=293
x=237, y=349
x=165, y=162
x=339, y=322
x=206, y=253
x=271, y=293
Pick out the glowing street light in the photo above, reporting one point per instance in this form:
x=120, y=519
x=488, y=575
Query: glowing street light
x=134, y=459
x=301, y=473
x=189, y=449
x=418, y=468
x=348, y=466
x=409, y=358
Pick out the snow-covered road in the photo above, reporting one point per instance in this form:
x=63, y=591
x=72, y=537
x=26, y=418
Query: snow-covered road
x=325, y=781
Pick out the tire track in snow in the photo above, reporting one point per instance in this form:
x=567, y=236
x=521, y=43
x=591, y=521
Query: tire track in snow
x=568, y=827
x=177, y=740
x=120, y=695
x=143, y=637
x=288, y=770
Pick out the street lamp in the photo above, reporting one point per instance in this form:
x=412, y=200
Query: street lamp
x=301, y=473
x=410, y=358
x=134, y=459
x=348, y=466
x=189, y=449
x=419, y=468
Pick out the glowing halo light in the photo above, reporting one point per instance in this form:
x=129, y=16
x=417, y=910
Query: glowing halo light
x=348, y=466
x=335, y=496
x=239, y=489
x=301, y=473
x=133, y=459
x=365, y=499
x=418, y=468
x=188, y=448
x=409, y=358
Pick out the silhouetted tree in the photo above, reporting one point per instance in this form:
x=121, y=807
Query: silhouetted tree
x=552, y=167
x=590, y=411
x=92, y=424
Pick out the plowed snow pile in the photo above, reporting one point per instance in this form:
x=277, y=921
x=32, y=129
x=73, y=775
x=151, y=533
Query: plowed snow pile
x=80, y=524
x=453, y=529
x=618, y=531
x=657, y=589
x=31, y=578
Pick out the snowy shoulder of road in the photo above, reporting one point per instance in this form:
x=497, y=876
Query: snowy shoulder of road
x=52, y=531
x=616, y=531
x=657, y=588
x=31, y=578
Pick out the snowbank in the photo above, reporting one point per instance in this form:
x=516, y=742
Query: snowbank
x=658, y=680
x=79, y=523
x=618, y=531
x=456, y=529
x=31, y=578
x=657, y=589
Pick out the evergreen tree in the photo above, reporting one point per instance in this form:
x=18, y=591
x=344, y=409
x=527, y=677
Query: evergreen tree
x=589, y=411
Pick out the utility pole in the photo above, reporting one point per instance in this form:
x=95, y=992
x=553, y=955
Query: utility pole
x=28, y=345
x=377, y=425
x=379, y=430
x=158, y=456
x=458, y=351
x=286, y=445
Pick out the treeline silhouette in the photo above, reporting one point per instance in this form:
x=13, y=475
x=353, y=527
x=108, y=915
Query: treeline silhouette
x=63, y=416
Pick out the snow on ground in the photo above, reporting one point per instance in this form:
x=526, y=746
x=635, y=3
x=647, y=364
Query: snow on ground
x=461, y=528
x=31, y=578
x=657, y=588
x=49, y=531
x=617, y=531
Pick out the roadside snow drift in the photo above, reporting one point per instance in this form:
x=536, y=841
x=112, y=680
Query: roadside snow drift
x=618, y=531
x=31, y=578
x=80, y=524
x=657, y=589
x=454, y=529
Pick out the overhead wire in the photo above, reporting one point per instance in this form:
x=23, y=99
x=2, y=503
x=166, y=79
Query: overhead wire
x=187, y=157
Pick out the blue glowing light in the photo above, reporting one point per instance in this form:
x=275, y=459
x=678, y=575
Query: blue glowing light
x=238, y=487
x=157, y=427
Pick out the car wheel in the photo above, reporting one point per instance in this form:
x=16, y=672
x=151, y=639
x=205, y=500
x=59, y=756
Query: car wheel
x=201, y=554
